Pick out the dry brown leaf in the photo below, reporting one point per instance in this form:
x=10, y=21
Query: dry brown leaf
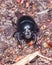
x=19, y=1
x=43, y=27
x=45, y=44
x=50, y=5
x=30, y=43
x=50, y=44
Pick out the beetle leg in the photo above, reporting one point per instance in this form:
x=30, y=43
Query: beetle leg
x=17, y=35
x=14, y=25
x=34, y=38
x=19, y=39
x=14, y=34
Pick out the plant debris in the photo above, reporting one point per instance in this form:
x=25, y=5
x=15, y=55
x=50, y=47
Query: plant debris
x=11, y=11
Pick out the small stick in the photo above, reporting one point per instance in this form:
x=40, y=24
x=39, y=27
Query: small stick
x=29, y=57
x=43, y=12
x=50, y=59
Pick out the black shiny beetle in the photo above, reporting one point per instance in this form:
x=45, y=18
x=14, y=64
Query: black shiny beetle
x=26, y=29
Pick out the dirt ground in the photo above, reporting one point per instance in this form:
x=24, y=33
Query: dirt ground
x=10, y=11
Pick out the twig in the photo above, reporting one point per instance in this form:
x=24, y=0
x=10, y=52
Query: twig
x=43, y=12
x=29, y=57
x=50, y=59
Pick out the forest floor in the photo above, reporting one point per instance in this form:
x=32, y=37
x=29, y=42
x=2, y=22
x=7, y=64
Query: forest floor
x=10, y=11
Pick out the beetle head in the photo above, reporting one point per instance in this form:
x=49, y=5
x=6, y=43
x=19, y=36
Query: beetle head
x=27, y=32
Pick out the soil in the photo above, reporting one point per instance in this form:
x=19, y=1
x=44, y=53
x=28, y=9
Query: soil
x=11, y=11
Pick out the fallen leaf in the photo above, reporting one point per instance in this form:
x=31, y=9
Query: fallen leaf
x=43, y=27
x=45, y=44
x=50, y=5
x=19, y=1
x=30, y=43
x=50, y=44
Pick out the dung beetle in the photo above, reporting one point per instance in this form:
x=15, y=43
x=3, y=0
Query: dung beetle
x=26, y=29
